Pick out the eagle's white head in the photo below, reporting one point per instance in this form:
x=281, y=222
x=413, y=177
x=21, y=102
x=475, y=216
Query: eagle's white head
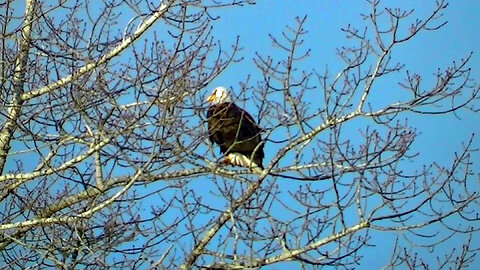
x=219, y=95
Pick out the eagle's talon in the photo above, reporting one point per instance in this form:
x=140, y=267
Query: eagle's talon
x=230, y=160
x=226, y=161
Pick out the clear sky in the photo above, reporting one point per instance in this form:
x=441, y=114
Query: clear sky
x=424, y=54
x=441, y=136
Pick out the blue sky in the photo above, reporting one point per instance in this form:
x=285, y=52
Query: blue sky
x=424, y=54
x=441, y=135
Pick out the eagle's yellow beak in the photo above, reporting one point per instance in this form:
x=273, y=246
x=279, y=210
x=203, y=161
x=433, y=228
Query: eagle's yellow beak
x=211, y=97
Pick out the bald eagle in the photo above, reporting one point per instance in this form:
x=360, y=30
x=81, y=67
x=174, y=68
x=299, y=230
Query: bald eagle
x=234, y=130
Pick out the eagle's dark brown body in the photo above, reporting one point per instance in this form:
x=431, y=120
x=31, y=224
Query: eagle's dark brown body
x=235, y=131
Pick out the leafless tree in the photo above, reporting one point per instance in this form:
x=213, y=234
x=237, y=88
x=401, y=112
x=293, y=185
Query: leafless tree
x=106, y=164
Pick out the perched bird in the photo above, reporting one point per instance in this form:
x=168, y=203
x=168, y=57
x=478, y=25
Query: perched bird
x=234, y=130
